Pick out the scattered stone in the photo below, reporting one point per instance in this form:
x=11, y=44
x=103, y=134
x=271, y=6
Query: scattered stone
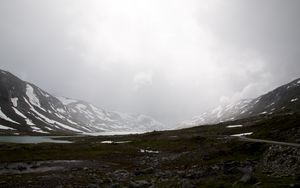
x=281, y=160
x=93, y=186
x=245, y=178
x=85, y=168
x=185, y=183
x=247, y=174
x=21, y=167
x=121, y=174
x=149, y=170
x=115, y=185
x=139, y=184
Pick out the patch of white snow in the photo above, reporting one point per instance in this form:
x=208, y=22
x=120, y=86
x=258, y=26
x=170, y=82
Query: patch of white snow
x=19, y=113
x=113, y=142
x=242, y=134
x=29, y=121
x=61, y=110
x=65, y=100
x=148, y=151
x=14, y=101
x=295, y=99
x=31, y=96
x=6, y=128
x=233, y=126
x=52, y=121
x=3, y=116
x=36, y=129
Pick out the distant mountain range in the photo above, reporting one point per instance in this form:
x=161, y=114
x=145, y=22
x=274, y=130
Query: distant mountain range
x=285, y=98
x=27, y=109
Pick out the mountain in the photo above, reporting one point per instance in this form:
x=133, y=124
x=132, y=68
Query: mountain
x=285, y=98
x=25, y=108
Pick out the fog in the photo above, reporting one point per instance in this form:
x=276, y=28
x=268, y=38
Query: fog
x=171, y=60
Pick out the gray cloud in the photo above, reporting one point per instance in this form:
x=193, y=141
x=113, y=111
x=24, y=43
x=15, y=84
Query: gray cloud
x=168, y=59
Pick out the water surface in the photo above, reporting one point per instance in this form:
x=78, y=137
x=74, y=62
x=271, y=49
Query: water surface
x=113, y=133
x=33, y=139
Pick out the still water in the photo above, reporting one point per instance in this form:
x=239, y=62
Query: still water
x=33, y=139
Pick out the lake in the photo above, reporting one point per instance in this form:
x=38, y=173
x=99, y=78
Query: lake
x=33, y=139
x=112, y=133
x=56, y=139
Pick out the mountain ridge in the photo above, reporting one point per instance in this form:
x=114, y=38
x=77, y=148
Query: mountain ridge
x=283, y=98
x=26, y=108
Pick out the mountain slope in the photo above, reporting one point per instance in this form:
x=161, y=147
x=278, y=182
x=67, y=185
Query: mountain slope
x=284, y=98
x=25, y=108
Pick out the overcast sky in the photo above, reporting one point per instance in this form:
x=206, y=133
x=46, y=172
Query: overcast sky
x=171, y=60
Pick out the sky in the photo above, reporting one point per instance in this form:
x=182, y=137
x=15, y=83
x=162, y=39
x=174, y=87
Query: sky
x=170, y=59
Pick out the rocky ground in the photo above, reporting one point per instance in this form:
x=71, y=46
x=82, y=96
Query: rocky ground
x=197, y=157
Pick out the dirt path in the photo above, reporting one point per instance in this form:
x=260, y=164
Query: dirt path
x=243, y=138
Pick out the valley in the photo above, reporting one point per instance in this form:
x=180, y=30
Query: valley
x=48, y=141
x=203, y=156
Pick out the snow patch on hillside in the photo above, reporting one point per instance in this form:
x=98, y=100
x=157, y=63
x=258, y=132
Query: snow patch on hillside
x=36, y=129
x=14, y=101
x=19, y=113
x=53, y=122
x=31, y=96
x=295, y=99
x=6, y=128
x=233, y=126
x=80, y=106
x=65, y=100
x=242, y=134
x=3, y=116
x=29, y=122
x=61, y=110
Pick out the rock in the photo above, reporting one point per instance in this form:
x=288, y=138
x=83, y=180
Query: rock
x=230, y=167
x=246, y=170
x=121, y=174
x=93, y=186
x=281, y=160
x=115, y=185
x=165, y=174
x=181, y=173
x=257, y=184
x=21, y=167
x=107, y=180
x=185, y=183
x=248, y=175
x=245, y=178
x=139, y=184
x=149, y=170
x=248, y=178
x=215, y=167
x=85, y=168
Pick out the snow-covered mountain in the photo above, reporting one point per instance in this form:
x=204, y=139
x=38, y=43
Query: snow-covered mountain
x=25, y=108
x=285, y=98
